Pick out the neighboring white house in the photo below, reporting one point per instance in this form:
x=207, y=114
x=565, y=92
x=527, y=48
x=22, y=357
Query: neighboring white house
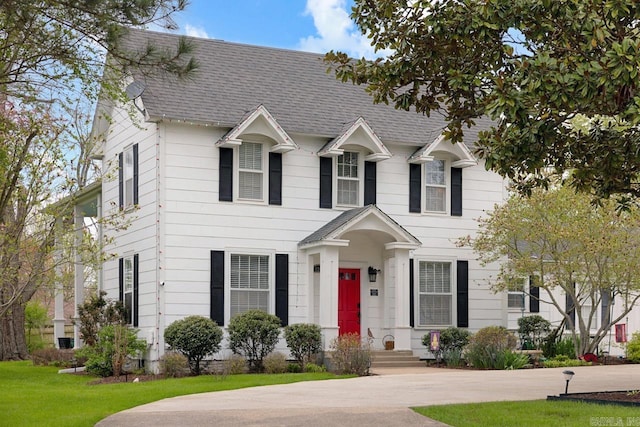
x=263, y=182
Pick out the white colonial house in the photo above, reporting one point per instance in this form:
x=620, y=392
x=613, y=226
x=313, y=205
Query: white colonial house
x=263, y=182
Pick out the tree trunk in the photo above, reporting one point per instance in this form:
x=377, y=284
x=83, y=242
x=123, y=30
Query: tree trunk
x=13, y=344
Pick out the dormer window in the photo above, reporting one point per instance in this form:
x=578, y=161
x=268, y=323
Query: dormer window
x=436, y=186
x=348, y=179
x=250, y=171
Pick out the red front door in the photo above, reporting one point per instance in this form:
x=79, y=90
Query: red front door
x=349, y=301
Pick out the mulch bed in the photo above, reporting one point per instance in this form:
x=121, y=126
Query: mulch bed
x=624, y=398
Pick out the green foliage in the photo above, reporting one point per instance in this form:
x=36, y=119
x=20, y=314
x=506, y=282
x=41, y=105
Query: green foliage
x=350, y=355
x=108, y=355
x=97, y=312
x=487, y=347
x=534, y=67
x=174, y=364
x=313, y=368
x=304, y=340
x=561, y=237
x=194, y=336
x=509, y=360
x=36, y=317
x=452, y=341
x=294, y=368
x=254, y=334
x=453, y=357
x=275, y=363
x=533, y=330
x=633, y=348
x=563, y=361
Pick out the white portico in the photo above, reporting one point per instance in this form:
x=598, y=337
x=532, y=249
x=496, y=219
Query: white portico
x=344, y=297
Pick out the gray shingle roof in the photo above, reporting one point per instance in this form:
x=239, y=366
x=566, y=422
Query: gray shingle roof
x=294, y=86
x=344, y=219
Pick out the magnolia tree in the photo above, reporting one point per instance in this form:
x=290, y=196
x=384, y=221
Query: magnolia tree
x=529, y=65
x=585, y=256
x=53, y=59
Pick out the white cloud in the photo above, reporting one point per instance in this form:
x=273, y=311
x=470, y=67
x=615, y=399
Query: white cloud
x=193, y=31
x=335, y=30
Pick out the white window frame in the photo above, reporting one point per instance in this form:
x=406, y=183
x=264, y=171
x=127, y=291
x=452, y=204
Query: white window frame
x=446, y=186
x=127, y=287
x=419, y=293
x=263, y=173
x=359, y=179
x=127, y=177
x=229, y=253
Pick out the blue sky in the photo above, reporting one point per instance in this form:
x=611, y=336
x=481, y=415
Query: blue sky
x=309, y=25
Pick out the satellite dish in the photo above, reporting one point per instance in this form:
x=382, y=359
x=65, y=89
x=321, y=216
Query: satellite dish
x=134, y=90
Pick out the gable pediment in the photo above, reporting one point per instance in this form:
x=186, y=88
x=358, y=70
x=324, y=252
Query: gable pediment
x=463, y=157
x=259, y=122
x=360, y=134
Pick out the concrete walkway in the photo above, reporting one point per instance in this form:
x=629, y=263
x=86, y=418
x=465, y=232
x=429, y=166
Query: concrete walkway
x=381, y=399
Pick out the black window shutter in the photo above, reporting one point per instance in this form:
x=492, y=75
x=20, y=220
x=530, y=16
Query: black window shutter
x=463, y=293
x=570, y=308
x=534, y=295
x=605, y=302
x=326, y=182
x=282, y=288
x=412, y=312
x=135, y=174
x=225, y=186
x=135, y=290
x=456, y=192
x=121, y=280
x=415, y=187
x=369, y=183
x=121, y=181
x=275, y=179
x=217, y=287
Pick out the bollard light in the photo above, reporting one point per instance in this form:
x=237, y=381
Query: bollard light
x=567, y=376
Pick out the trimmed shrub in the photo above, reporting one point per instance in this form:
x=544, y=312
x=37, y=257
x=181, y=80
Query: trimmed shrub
x=275, y=363
x=350, y=355
x=108, y=355
x=313, y=368
x=452, y=341
x=563, y=361
x=195, y=337
x=304, y=340
x=633, y=348
x=174, y=364
x=294, y=368
x=533, y=331
x=487, y=346
x=254, y=334
x=235, y=364
x=96, y=313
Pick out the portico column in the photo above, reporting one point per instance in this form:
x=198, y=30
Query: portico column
x=58, y=316
x=78, y=294
x=328, y=307
x=402, y=327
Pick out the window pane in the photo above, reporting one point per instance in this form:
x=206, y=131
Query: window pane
x=435, y=199
x=435, y=174
x=128, y=274
x=250, y=185
x=250, y=156
x=435, y=277
x=348, y=165
x=128, y=305
x=245, y=300
x=435, y=309
x=515, y=300
x=347, y=192
x=250, y=272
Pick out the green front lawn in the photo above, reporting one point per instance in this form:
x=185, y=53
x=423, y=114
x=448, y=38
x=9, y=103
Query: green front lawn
x=39, y=396
x=532, y=414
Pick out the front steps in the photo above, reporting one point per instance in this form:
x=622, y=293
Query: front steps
x=395, y=359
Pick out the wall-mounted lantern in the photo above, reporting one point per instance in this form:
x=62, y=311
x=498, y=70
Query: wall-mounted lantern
x=373, y=273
